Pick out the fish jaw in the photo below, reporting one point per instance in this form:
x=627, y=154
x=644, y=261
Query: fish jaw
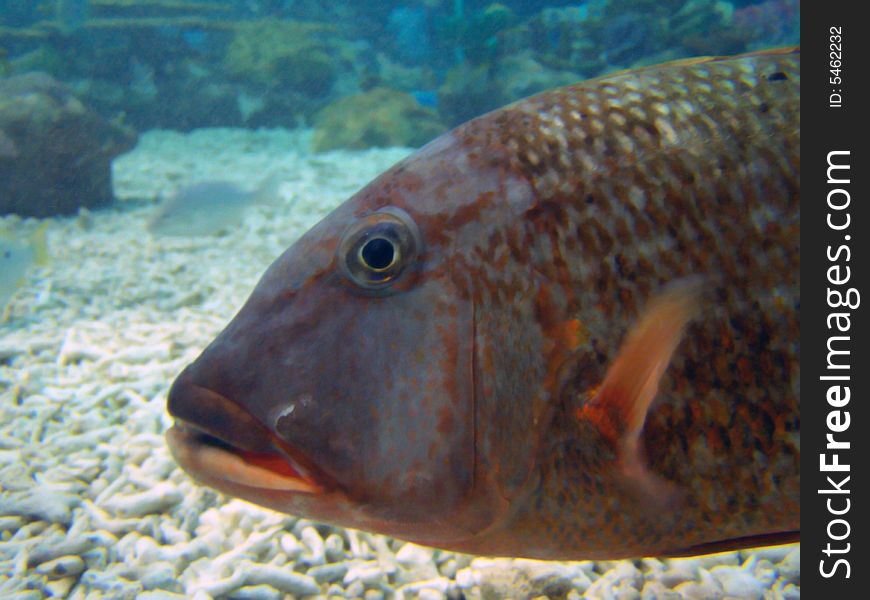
x=248, y=461
x=245, y=457
x=222, y=445
x=265, y=479
x=224, y=469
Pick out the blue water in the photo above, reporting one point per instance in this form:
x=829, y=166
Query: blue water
x=203, y=61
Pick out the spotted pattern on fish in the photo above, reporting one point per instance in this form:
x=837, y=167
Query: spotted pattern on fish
x=496, y=397
x=658, y=174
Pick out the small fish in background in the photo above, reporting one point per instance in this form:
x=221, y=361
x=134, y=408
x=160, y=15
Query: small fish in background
x=17, y=255
x=210, y=207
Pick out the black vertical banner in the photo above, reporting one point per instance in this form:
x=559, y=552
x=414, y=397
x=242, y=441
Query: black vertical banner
x=835, y=367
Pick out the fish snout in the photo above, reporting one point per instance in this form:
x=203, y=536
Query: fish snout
x=209, y=412
x=222, y=445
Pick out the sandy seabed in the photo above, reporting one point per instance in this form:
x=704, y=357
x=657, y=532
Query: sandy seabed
x=91, y=503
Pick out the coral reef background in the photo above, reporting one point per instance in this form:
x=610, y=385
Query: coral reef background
x=183, y=64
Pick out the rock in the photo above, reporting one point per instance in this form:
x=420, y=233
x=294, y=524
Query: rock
x=403, y=77
x=495, y=578
x=55, y=153
x=64, y=566
x=448, y=568
x=790, y=567
x=334, y=546
x=618, y=582
x=256, y=592
x=158, y=499
x=417, y=563
x=291, y=546
x=96, y=558
x=59, y=588
x=72, y=546
x=412, y=554
x=549, y=578
x=581, y=582
x=381, y=117
x=107, y=584
x=52, y=508
x=704, y=589
x=655, y=590
x=329, y=573
x=368, y=573
x=354, y=590
x=160, y=595
x=437, y=586
x=738, y=583
x=25, y=595
x=159, y=575
x=791, y=592
x=763, y=571
x=467, y=91
x=11, y=523
x=521, y=76
x=316, y=554
x=281, y=579
x=294, y=55
x=430, y=594
x=679, y=571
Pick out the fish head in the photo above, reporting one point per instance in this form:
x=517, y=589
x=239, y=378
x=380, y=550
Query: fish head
x=346, y=389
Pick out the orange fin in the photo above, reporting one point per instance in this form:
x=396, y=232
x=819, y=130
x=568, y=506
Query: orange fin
x=620, y=406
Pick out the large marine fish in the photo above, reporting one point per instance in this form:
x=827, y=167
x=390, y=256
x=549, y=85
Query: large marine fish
x=567, y=329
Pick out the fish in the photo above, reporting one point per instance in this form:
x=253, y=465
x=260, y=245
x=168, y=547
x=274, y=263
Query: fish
x=19, y=254
x=209, y=207
x=567, y=329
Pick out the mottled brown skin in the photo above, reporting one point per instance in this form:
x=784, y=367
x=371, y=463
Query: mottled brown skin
x=448, y=408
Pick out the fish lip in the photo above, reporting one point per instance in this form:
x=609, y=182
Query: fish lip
x=224, y=465
x=221, y=443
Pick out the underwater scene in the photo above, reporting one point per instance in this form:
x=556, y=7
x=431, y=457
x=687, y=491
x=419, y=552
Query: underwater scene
x=436, y=299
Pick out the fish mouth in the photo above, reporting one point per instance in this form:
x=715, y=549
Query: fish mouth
x=213, y=461
x=250, y=459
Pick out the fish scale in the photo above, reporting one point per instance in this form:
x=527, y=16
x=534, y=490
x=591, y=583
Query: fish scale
x=708, y=148
x=582, y=341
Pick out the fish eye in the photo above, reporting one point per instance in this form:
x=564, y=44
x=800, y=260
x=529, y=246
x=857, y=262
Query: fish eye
x=379, y=254
x=375, y=250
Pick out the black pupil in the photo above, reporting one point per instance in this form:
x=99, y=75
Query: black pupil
x=378, y=253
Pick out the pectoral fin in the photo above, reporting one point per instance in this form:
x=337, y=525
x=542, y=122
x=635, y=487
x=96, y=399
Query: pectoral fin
x=619, y=408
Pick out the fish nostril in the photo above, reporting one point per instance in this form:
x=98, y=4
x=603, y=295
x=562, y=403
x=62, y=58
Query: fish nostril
x=288, y=415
